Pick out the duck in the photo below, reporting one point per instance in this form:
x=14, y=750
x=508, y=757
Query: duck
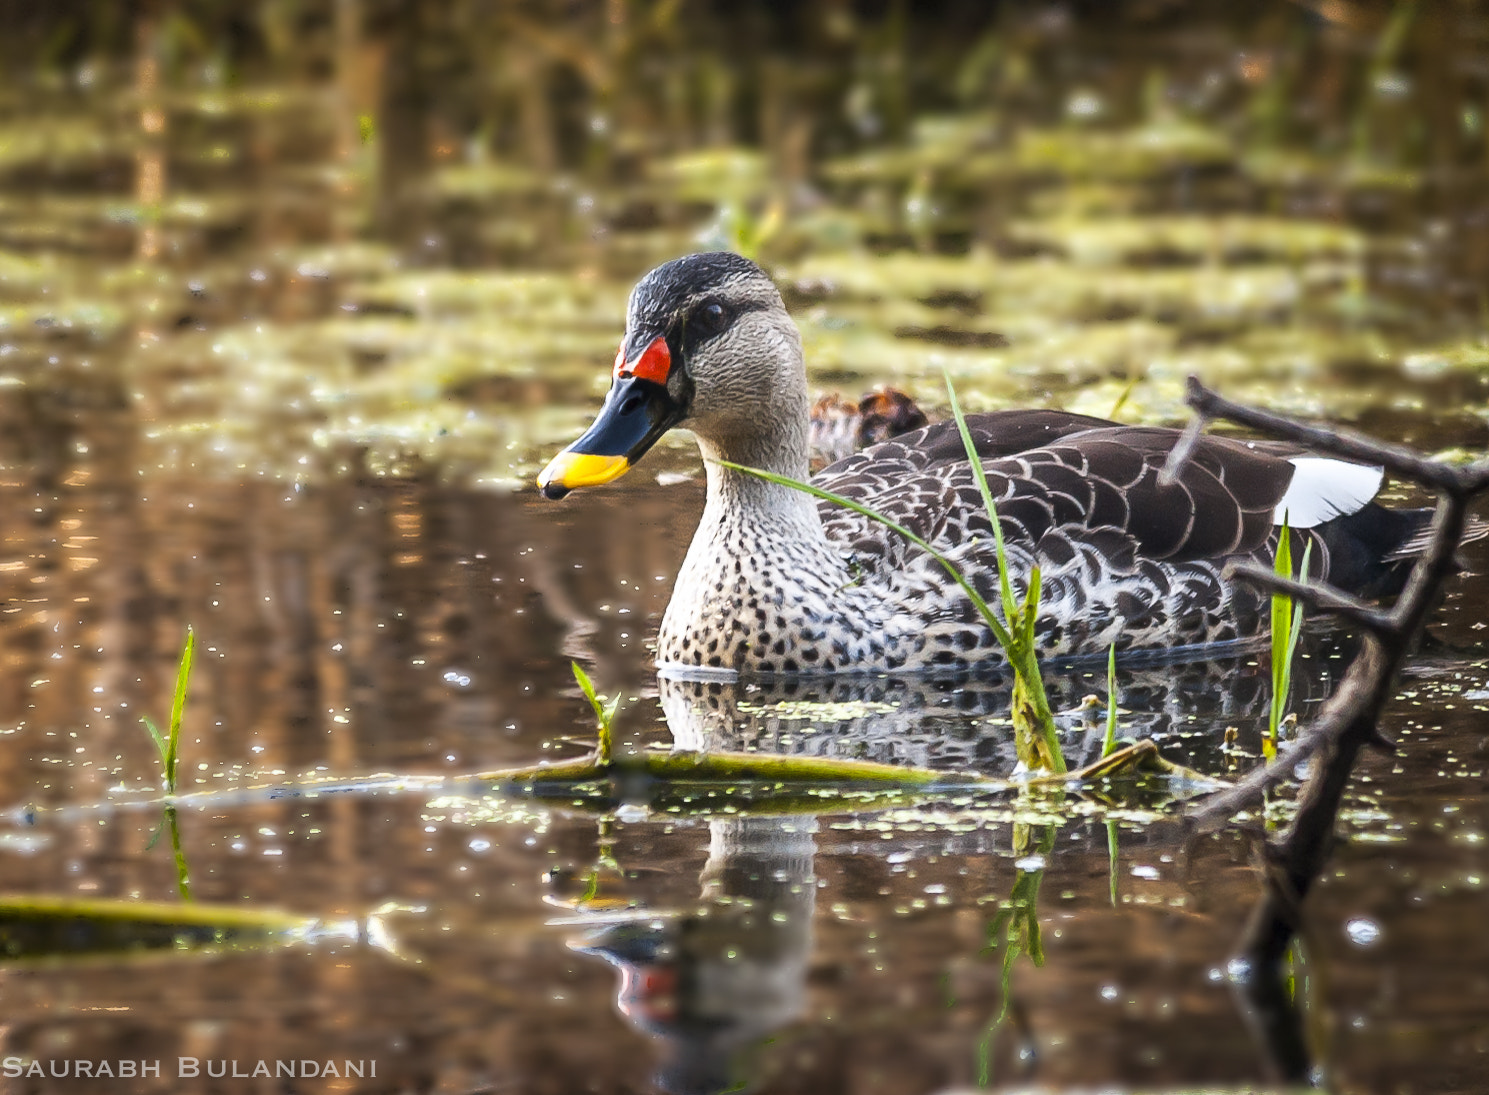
x=778, y=582
x=840, y=427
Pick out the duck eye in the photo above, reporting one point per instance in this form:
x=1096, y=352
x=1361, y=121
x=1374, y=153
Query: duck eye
x=712, y=318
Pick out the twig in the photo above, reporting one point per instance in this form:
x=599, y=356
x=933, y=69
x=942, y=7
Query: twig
x=1183, y=449
x=1403, y=460
x=1325, y=598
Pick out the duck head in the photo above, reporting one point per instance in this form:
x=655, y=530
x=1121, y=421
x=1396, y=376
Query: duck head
x=708, y=345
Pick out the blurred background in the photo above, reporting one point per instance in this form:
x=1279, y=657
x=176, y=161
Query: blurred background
x=296, y=296
x=304, y=238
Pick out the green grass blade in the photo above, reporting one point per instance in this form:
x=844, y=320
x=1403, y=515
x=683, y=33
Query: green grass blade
x=178, y=708
x=604, y=715
x=1122, y=399
x=157, y=737
x=587, y=686
x=1281, y=624
x=1029, y=610
x=1000, y=632
x=1295, y=631
x=1005, y=587
x=1109, y=743
x=1033, y=721
x=1287, y=628
x=1283, y=683
x=607, y=733
x=1016, y=636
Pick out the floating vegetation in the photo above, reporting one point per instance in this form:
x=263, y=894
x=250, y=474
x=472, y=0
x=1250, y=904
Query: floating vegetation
x=44, y=926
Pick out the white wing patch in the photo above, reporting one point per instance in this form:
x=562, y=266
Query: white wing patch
x=1322, y=489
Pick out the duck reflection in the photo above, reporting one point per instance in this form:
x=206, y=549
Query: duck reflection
x=961, y=722
x=712, y=983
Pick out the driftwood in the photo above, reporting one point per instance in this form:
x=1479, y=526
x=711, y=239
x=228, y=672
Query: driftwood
x=1348, y=721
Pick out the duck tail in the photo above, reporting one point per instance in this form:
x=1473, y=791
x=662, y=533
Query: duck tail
x=1476, y=528
x=1371, y=551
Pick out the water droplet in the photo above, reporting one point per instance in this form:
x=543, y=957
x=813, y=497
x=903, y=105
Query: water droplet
x=1362, y=931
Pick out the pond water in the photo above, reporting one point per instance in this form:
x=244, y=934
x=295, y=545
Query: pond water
x=412, y=628
x=222, y=408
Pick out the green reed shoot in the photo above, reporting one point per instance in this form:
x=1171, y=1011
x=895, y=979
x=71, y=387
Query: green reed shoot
x=1109, y=743
x=1036, y=738
x=1112, y=862
x=1287, y=626
x=183, y=871
x=1122, y=397
x=604, y=713
x=169, y=744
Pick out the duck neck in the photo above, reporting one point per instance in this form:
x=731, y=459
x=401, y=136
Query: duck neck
x=738, y=497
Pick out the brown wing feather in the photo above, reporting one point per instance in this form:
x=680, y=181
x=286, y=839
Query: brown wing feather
x=1221, y=503
x=1049, y=470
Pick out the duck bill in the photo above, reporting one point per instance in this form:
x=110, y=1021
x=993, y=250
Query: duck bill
x=635, y=414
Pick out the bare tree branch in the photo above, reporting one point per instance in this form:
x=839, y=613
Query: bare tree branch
x=1183, y=449
x=1401, y=459
x=1349, y=719
x=1325, y=598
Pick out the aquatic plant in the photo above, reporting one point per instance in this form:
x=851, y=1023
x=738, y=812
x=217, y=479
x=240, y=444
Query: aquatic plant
x=1112, y=862
x=1037, y=741
x=169, y=744
x=169, y=747
x=604, y=713
x=51, y=927
x=1287, y=625
x=1109, y=742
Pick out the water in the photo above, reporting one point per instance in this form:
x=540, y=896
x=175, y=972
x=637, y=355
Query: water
x=802, y=951
x=312, y=443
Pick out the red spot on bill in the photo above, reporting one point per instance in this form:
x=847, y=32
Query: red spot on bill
x=654, y=363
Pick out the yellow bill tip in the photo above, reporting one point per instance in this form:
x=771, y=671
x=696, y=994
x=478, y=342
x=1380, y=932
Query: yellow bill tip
x=569, y=470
